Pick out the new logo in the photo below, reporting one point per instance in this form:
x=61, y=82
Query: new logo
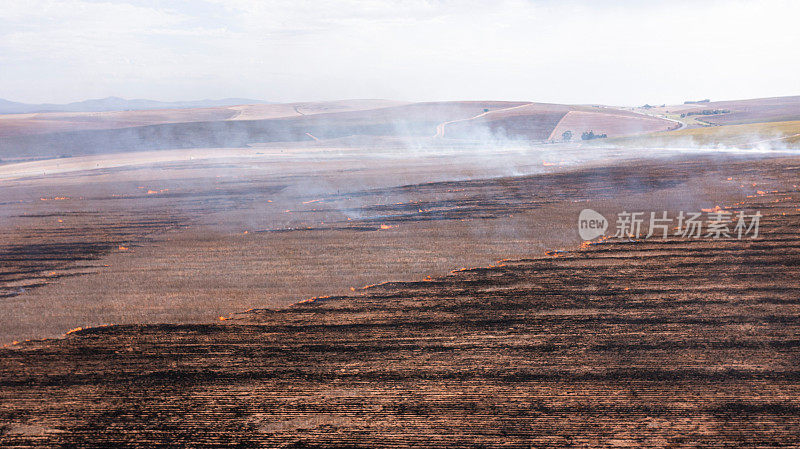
x=591, y=224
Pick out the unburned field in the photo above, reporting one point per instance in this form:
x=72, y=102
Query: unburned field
x=283, y=123
x=769, y=135
x=777, y=109
x=43, y=136
x=542, y=121
x=53, y=122
x=611, y=123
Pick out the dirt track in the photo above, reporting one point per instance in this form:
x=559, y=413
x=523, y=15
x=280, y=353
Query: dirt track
x=440, y=127
x=682, y=342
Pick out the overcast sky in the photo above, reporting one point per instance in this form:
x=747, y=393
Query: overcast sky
x=613, y=52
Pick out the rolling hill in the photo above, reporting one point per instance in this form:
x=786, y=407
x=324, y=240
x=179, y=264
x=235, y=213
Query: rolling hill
x=775, y=109
x=116, y=104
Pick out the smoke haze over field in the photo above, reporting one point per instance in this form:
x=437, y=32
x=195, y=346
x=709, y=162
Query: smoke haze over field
x=621, y=52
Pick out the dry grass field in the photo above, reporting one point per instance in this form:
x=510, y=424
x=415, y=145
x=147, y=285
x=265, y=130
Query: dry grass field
x=541, y=121
x=409, y=121
x=777, y=109
x=50, y=135
x=774, y=109
x=767, y=135
x=55, y=122
x=267, y=111
x=613, y=123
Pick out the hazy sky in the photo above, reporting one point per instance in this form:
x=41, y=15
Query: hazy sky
x=614, y=52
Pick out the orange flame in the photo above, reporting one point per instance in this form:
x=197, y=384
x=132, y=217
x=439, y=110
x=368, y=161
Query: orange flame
x=714, y=209
x=306, y=301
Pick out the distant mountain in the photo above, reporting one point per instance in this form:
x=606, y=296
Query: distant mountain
x=118, y=104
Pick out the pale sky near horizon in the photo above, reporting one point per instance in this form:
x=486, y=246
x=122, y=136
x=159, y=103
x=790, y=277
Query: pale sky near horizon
x=574, y=51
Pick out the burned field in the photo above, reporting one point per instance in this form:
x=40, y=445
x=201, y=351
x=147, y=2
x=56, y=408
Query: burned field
x=191, y=241
x=625, y=342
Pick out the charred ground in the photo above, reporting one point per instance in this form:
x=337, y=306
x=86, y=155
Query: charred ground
x=627, y=342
